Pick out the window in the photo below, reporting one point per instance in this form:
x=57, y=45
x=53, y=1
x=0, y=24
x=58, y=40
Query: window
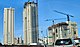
x=65, y=35
x=25, y=17
x=74, y=32
x=56, y=30
x=57, y=35
x=63, y=42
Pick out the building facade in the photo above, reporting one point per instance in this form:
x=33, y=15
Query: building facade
x=8, y=26
x=62, y=30
x=18, y=41
x=30, y=23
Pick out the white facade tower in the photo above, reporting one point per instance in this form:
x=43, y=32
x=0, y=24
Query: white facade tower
x=8, y=26
x=30, y=23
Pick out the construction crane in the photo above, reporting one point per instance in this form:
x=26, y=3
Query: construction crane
x=33, y=0
x=68, y=15
x=54, y=19
x=53, y=24
x=28, y=0
x=64, y=14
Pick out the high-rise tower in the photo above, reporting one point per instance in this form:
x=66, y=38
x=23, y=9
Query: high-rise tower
x=30, y=22
x=8, y=26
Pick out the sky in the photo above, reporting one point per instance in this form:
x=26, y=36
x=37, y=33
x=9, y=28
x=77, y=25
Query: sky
x=45, y=11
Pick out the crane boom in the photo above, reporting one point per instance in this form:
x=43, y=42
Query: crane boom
x=54, y=19
x=64, y=14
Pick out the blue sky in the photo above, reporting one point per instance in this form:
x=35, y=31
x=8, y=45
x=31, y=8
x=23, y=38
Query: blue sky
x=45, y=11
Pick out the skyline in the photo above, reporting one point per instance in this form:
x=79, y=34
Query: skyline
x=45, y=11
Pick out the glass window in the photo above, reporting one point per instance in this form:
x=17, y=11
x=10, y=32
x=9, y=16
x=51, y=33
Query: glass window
x=63, y=42
x=25, y=17
x=56, y=30
x=74, y=32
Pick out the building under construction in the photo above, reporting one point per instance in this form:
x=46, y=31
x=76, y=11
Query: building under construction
x=30, y=22
x=62, y=30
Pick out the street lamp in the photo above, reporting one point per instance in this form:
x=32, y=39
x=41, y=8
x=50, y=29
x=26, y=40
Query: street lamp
x=42, y=37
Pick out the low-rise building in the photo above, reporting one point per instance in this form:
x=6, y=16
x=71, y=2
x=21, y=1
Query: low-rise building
x=18, y=41
x=62, y=30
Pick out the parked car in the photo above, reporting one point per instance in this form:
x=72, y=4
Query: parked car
x=77, y=40
x=68, y=42
x=34, y=44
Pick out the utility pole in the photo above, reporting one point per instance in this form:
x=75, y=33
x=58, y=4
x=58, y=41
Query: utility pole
x=47, y=37
x=42, y=36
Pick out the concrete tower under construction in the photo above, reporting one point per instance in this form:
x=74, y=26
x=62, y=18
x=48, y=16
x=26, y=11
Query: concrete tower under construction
x=30, y=22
